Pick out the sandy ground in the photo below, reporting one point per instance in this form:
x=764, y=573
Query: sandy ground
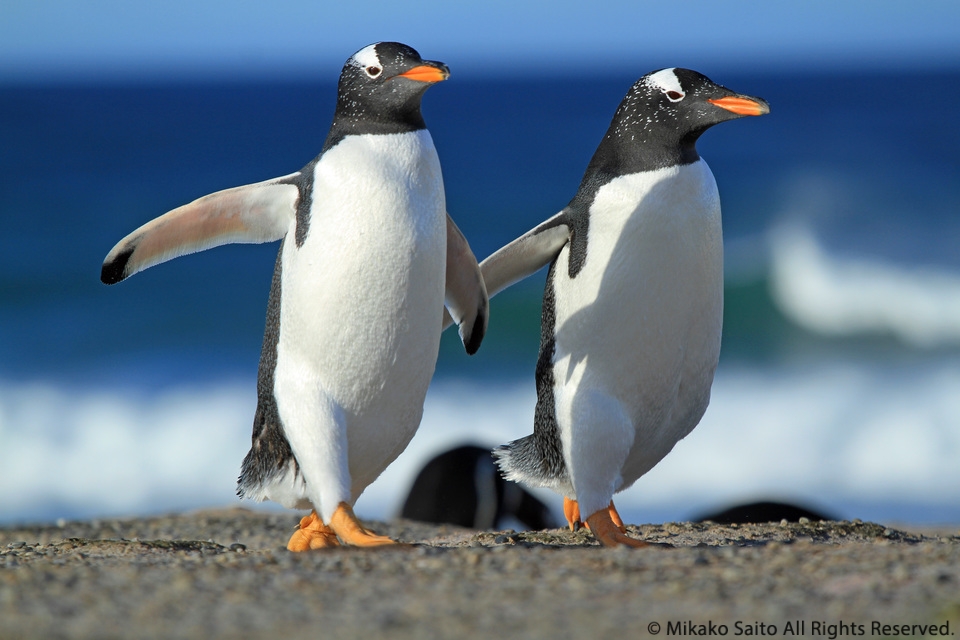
x=226, y=574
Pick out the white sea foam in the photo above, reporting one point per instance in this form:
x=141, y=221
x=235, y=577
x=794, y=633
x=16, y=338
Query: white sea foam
x=81, y=452
x=843, y=297
x=835, y=435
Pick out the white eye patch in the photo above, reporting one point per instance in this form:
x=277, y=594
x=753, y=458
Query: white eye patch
x=667, y=82
x=367, y=57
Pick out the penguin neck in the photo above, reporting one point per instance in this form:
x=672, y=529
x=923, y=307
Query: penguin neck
x=352, y=118
x=623, y=152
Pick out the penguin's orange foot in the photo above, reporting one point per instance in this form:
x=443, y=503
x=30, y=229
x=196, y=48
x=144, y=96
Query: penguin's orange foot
x=608, y=532
x=571, y=511
x=351, y=532
x=312, y=534
x=615, y=517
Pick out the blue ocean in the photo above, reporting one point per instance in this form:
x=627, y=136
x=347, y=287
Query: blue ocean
x=839, y=382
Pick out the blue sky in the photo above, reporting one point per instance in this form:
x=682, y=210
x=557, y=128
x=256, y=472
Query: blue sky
x=43, y=39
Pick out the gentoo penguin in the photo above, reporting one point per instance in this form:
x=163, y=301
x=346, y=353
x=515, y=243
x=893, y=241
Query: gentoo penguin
x=368, y=258
x=632, y=310
x=764, y=511
x=462, y=487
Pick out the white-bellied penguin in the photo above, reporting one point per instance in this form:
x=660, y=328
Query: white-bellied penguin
x=368, y=259
x=633, y=304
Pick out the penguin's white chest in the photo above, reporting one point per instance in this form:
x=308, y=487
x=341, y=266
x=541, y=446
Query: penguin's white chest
x=641, y=322
x=361, y=299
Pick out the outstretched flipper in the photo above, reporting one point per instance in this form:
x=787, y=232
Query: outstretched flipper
x=526, y=255
x=254, y=213
x=509, y=264
x=466, y=296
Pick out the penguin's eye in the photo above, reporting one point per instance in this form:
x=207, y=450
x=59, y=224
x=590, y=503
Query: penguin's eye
x=674, y=96
x=373, y=71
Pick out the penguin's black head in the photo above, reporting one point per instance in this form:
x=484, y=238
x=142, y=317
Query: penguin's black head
x=690, y=102
x=381, y=87
x=660, y=119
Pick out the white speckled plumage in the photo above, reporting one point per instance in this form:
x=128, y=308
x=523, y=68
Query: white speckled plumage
x=638, y=330
x=360, y=317
x=633, y=305
x=368, y=261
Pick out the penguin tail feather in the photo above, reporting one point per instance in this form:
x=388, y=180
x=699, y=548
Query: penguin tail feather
x=523, y=461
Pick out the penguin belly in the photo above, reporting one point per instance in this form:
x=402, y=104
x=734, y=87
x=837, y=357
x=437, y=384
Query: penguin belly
x=360, y=312
x=637, y=330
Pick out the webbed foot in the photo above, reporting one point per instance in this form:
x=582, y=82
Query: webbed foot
x=312, y=534
x=351, y=532
x=609, y=532
x=571, y=511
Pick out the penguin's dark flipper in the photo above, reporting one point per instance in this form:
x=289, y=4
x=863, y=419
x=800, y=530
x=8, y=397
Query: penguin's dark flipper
x=254, y=213
x=526, y=255
x=466, y=300
x=470, y=286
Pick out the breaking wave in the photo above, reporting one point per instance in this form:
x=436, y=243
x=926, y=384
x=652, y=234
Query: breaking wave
x=839, y=436
x=837, y=296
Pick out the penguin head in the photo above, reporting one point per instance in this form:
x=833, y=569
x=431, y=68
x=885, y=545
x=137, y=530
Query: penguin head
x=689, y=102
x=384, y=83
x=660, y=119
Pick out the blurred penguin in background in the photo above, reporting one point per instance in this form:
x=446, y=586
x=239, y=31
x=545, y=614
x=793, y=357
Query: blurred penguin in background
x=463, y=487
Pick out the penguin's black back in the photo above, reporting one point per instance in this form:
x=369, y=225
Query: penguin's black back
x=462, y=487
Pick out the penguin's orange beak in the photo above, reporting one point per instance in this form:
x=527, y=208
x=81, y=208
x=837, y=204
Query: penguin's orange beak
x=742, y=106
x=427, y=73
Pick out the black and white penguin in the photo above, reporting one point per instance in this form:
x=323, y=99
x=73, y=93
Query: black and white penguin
x=369, y=257
x=632, y=311
x=763, y=511
x=461, y=486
